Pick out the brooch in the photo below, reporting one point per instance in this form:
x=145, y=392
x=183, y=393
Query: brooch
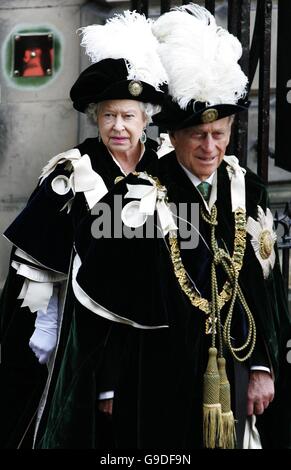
x=263, y=239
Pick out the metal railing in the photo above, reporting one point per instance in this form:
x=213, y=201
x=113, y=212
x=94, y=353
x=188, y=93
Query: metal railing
x=284, y=220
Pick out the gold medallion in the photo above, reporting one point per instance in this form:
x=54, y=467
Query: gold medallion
x=209, y=115
x=266, y=244
x=135, y=88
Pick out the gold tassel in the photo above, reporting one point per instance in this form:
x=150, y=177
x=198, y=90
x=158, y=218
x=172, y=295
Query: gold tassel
x=212, y=422
x=228, y=424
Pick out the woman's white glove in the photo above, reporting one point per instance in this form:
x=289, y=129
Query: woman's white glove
x=44, y=338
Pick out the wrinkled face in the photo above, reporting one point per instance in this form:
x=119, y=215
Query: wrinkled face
x=120, y=124
x=201, y=148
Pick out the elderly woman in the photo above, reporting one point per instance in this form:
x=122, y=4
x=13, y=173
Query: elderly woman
x=121, y=126
x=120, y=92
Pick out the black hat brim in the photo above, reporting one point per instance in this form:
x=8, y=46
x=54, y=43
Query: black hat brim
x=172, y=117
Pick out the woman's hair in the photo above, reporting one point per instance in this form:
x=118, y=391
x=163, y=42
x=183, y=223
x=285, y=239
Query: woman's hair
x=147, y=108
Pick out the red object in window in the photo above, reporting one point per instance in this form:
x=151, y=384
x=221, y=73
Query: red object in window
x=52, y=55
x=32, y=60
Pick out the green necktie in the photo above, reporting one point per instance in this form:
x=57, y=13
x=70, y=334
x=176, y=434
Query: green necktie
x=205, y=189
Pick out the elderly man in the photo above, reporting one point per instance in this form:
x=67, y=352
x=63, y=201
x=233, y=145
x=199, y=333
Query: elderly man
x=198, y=161
x=198, y=115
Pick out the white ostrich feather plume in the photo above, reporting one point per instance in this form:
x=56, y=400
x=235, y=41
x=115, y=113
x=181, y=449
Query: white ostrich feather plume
x=200, y=58
x=128, y=36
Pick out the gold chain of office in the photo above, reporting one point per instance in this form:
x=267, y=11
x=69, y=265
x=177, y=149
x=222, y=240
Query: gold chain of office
x=236, y=261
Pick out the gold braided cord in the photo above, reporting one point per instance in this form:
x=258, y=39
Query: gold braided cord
x=215, y=311
x=232, y=267
x=251, y=337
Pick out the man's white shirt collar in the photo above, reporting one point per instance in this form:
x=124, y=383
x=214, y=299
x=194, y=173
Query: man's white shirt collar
x=212, y=179
x=194, y=179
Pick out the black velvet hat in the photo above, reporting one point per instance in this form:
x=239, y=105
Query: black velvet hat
x=125, y=62
x=107, y=80
x=205, y=81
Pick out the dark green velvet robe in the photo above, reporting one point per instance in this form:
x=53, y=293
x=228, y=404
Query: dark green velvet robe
x=47, y=234
x=158, y=392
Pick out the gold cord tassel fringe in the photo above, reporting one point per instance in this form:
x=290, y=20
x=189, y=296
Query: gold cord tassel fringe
x=212, y=421
x=228, y=424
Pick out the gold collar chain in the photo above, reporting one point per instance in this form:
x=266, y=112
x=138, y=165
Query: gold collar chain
x=219, y=254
